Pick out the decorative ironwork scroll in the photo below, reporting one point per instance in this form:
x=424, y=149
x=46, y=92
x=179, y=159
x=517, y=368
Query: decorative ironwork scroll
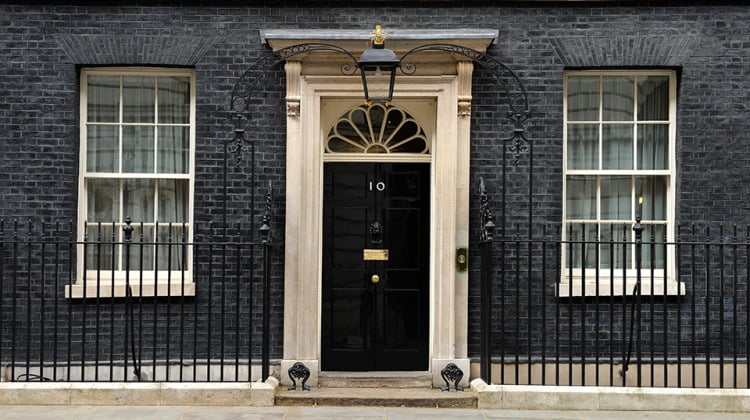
x=296, y=372
x=487, y=224
x=452, y=373
x=265, y=227
x=515, y=94
x=249, y=84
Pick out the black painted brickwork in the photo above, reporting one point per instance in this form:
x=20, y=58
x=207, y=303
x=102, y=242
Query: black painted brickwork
x=43, y=46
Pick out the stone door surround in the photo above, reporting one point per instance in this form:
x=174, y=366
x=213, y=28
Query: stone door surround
x=442, y=79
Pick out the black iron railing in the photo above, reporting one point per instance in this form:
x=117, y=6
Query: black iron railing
x=624, y=307
x=134, y=303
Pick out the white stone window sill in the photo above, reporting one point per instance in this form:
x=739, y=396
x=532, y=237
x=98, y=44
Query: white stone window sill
x=105, y=289
x=589, y=289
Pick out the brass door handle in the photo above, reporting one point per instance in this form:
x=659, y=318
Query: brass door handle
x=375, y=278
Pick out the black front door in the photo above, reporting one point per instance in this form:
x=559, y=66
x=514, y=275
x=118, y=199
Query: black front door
x=375, y=313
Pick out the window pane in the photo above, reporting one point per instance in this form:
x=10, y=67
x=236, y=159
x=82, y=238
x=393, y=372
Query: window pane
x=138, y=200
x=174, y=147
x=173, y=200
x=583, y=146
x=615, y=248
x=616, y=201
x=138, y=99
x=653, y=247
x=652, y=197
x=103, y=197
x=617, y=146
x=617, y=98
x=582, y=246
x=100, y=247
x=174, y=100
x=103, y=98
x=171, y=248
x=583, y=98
x=141, y=250
x=653, y=98
x=138, y=149
x=102, y=148
x=653, y=146
x=580, y=201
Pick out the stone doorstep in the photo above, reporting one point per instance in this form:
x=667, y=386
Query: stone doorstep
x=377, y=397
x=258, y=394
x=343, y=380
x=525, y=397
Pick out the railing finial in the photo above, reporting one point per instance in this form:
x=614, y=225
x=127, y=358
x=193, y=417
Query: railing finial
x=127, y=229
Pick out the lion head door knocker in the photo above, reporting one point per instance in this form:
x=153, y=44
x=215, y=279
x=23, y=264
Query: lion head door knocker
x=376, y=233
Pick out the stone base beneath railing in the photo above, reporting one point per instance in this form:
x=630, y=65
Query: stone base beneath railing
x=257, y=394
x=537, y=397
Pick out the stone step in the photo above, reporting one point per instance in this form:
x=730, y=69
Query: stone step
x=375, y=380
x=377, y=397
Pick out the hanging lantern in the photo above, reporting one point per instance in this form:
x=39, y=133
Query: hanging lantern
x=378, y=68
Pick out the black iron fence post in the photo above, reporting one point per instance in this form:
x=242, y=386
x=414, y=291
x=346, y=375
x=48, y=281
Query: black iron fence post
x=265, y=235
x=127, y=230
x=635, y=308
x=485, y=292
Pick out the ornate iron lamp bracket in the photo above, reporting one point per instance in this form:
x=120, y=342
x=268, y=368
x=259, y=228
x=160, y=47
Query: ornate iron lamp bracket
x=249, y=84
x=515, y=94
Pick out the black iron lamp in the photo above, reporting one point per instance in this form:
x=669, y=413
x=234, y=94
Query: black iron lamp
x=378, y=68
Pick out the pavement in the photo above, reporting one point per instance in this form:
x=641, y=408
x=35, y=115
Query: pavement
x=365, y=413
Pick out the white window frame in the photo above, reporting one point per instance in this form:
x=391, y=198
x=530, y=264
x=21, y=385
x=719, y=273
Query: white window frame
x=93, y=283
x=605, y=281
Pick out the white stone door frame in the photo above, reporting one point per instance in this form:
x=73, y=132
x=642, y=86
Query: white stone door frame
x=447, y=81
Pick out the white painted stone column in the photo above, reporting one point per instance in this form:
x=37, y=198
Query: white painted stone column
x=297, y=336
x=458, y=288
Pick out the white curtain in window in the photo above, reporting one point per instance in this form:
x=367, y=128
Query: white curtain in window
x=580, y=201
x=653, y=146
x=651, y=193
x=138, y=99
x=583, y=146
x=616, y=198
x=583, y=98
x=653, y=98
x=174, y=100
x=102, y=148
x=103, y=99
x=138, y=149
x=138, y=199
x=617, y=98
x=103, y=200
x=173, y=150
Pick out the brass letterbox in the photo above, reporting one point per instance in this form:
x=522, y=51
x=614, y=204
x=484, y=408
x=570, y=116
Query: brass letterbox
x=375, y=255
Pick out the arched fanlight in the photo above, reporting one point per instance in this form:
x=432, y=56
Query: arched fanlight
x=378, y=68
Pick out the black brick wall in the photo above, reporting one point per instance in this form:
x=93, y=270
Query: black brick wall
x=43, y=45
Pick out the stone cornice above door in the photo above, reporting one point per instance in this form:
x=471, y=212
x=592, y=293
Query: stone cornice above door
x=398, y=40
